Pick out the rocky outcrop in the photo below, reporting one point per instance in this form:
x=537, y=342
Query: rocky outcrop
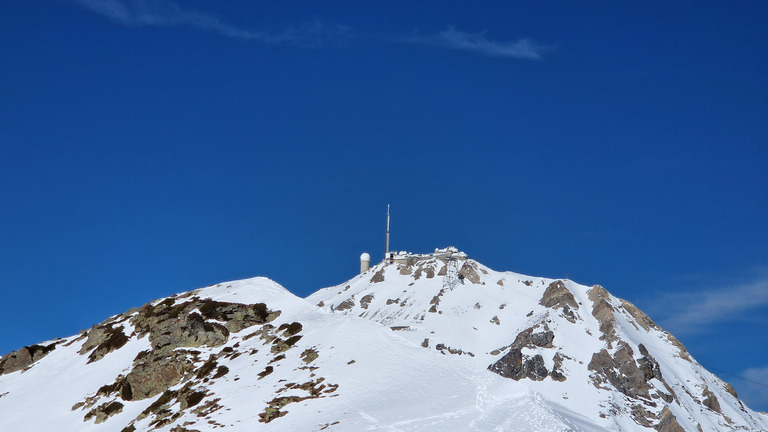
x=103, y=339
x=236, y=316
x=424, y=268
x=621, y=371
x=557, y=296
x=668, y=422
x=729, y=388
x=529, y=339
x=557, y=370
x=104, y=411
x=20, y=359
x=312, y=389
x=710, y=400
x=639, y=316
x=468, y=272
x=196, y=322
x=648, y=365
x=435, y=302
x=366, y=301
x=346, y=304
x=173, y=327
x=632, y=377
x=603, y=313
x=516, y=365
x=156, y=373
x=443, y=348
x=378, y=276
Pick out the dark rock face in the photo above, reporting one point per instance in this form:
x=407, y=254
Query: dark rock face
x=237, y=316
x=105, y=338
x=642, y=416
x=528, y=339
x=517, y=365
x=627, y=375
x=632, y=378
x=535, y=369
x=512, y=365
x=189, y=324
x=19, y=359
x=710, y=400
x=542, y=339
x=173, y=325
x=556, y=373
x=191, y=331
x=315, y=389
x=104, y=411
x=443, y=348
x=621, y=371
x=157, y=373
x=649, y=365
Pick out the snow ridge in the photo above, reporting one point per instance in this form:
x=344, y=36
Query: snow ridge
x=392, y=349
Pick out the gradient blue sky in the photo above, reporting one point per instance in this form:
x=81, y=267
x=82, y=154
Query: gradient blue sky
x=152, y=147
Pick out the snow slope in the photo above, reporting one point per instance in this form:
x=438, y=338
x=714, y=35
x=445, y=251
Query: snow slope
x=369, y=355
x=481, y=318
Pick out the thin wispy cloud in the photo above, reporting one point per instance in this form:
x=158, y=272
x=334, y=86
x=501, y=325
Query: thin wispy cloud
x=690, y=312
x=754, y=387
x=164, y=13
x=479, y=43
x=315, y=34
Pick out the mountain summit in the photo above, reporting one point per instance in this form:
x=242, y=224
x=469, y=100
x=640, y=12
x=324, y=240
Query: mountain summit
x=432, y=342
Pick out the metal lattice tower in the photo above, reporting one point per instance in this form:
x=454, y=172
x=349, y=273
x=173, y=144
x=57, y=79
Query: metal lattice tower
x=451, y=278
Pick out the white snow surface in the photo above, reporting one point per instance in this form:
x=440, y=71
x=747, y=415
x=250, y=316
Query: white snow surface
x=379, y=344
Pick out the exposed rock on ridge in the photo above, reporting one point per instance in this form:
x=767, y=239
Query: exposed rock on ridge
x=517, y=365
x=19, y=359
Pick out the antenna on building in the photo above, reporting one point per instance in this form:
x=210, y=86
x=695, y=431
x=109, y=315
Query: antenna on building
x=386, y=238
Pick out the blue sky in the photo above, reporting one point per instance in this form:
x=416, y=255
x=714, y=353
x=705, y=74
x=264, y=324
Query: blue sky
x=152, y=147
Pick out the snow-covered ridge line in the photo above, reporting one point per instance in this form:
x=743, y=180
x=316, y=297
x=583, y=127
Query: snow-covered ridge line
x=394, y=348
x=559, y=337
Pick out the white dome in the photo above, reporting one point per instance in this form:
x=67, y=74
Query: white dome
x=365, y=257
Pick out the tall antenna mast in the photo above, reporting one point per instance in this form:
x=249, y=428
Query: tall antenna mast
x=386, y=238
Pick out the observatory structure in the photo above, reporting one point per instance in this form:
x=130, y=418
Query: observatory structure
x=451, y=255
x=365, y=262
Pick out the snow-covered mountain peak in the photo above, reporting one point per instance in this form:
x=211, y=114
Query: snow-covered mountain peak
x=557, y=336
x=416, y=343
